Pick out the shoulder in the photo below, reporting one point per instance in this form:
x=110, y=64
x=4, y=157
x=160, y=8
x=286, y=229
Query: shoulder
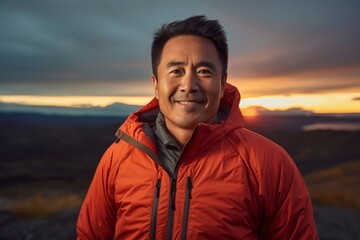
x=119, y=150
x=114, y=155
x=268, y=161
x=255, y=145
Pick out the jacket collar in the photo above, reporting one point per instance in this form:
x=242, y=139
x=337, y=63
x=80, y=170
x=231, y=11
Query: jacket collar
x=134, y=125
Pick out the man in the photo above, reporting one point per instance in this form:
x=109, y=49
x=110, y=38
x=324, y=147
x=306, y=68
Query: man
x=183, y=166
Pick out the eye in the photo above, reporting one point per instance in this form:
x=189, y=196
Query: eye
x=205, y=72
x=176, y=72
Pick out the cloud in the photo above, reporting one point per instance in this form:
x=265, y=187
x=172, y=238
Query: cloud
x=67, y=43
x=309, y=42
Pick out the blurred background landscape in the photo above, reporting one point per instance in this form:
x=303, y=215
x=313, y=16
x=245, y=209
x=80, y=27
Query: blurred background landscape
x=47, y=163
x=72, y=71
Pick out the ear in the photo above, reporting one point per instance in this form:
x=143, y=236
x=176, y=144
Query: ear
x=155, y=85
x=223, y=82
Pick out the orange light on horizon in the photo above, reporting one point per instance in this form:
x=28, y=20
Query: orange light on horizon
x=319, y=103
x=74, y=101
x=249, y=111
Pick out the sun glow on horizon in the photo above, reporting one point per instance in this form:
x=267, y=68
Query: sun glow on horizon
x=318, y=103
x=74, y=101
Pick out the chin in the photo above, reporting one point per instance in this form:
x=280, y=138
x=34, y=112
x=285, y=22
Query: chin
x=187, y=123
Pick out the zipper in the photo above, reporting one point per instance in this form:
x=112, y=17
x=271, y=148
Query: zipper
x=155, y=209
x=171, y=208
x=189, y=186
x=170, y=223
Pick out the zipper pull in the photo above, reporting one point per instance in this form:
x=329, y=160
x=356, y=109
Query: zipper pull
x=158, y=184
x=189, y=186
x=173, y=191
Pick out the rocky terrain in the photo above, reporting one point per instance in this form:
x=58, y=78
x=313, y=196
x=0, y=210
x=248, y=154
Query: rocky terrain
x=332, y=224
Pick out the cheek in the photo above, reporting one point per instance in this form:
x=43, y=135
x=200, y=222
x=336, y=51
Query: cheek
x=166, y=89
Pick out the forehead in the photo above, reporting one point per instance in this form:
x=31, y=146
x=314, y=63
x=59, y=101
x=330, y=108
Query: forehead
x=189, y=47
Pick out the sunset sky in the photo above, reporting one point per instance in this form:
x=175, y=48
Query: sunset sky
x=283, y=54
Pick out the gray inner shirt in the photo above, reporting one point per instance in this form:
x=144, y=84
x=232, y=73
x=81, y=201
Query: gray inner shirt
x=168, y=149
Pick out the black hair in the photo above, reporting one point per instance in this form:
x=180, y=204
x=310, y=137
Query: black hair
x=195, y=25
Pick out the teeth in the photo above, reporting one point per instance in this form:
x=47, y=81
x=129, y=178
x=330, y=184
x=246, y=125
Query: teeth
x=188, y=102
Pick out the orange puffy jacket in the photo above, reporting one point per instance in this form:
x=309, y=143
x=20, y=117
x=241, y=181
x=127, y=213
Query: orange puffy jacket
x=229, y=183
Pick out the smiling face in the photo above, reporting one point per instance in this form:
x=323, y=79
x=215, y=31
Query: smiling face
x=190, y=82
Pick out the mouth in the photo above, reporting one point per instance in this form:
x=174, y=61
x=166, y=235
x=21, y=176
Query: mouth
x=189, y=102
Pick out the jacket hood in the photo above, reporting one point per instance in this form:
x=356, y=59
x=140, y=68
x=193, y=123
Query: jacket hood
x=134, y=125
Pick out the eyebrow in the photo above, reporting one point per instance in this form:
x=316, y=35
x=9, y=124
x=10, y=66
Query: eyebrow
x=174, y=64
x=200, y=64
x=207, y=64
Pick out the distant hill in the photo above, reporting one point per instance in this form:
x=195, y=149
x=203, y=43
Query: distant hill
x=114, y=109
x=268, y=123
x=20, y=120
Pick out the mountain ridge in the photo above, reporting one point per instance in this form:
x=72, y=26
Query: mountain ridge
x=117, y=108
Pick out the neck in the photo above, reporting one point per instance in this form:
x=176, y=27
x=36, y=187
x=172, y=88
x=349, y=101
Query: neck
x=180, y=135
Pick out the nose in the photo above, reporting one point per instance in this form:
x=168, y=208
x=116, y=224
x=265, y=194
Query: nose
x=189, y=83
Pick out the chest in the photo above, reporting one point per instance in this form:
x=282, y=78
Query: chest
x=210, y=194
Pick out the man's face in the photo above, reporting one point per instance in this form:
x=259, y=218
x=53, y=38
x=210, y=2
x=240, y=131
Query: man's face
x=190, y=82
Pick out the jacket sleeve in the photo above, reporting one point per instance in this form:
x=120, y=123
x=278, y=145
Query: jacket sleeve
x=97, y=217
x=287, y=209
